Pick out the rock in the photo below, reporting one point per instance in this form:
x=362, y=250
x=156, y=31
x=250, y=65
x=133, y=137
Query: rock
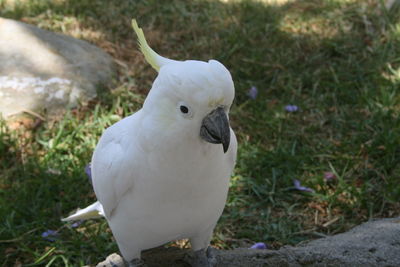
x=42, y=70
x=375, y=243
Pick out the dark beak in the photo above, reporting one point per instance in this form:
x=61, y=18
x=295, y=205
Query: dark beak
x=215, y=128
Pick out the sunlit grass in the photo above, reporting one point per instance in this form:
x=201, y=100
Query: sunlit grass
x=337, y=61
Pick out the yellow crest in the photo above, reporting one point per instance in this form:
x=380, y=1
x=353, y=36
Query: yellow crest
x=154, y=59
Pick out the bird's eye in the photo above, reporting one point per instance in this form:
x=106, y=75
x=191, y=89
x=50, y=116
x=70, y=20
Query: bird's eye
x=184, y=109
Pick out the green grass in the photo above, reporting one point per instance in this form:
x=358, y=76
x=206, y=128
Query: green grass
x=337, y=60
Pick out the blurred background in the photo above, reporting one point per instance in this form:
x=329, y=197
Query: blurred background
x=316, y=114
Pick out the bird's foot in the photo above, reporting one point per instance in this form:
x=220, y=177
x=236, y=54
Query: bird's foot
x=201, y=258
x=135, y=263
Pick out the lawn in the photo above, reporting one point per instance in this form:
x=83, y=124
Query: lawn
x=336, y=62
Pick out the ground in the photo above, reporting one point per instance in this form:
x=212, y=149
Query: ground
x=337, y=61
x=375, y=243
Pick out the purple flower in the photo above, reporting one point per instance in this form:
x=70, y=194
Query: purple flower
x=50, y=235
x=299, y=187
x=88, y=171
x=259, y=245
x=328, y=176
x=291, y=108
x=76, y=224
x=252, y=93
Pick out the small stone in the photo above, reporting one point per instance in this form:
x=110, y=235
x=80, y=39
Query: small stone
x=114, y=260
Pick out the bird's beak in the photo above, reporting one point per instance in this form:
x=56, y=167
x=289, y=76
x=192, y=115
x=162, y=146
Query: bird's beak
x=215, y=128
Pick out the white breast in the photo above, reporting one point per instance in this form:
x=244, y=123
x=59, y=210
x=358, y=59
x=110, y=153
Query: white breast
x=173, y=197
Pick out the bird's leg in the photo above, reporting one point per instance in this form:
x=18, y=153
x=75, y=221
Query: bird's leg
x=201, y=258
x=202, y=255
x=135, y=263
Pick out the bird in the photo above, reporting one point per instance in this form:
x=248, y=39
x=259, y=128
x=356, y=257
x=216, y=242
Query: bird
x=162, y=173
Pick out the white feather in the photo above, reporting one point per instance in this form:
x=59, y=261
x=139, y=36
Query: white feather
x=156, y=179
x=93, y=211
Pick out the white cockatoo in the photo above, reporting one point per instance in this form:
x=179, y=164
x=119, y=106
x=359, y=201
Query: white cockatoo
x=160, y=174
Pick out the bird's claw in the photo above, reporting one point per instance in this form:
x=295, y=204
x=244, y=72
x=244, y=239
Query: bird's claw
x=135, y=263
x=201, y=258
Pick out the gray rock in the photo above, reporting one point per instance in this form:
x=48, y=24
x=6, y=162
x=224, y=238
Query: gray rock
x=45, y=70
x=375, y=243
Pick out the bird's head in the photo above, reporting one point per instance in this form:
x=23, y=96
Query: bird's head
x=190, y=97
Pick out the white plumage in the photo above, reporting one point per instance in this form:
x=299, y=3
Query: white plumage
x=155, y=173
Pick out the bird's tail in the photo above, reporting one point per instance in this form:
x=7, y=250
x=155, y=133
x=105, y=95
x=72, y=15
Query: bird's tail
x=93, y=211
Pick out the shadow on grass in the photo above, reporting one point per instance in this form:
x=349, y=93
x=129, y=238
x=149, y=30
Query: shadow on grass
x=328, y=57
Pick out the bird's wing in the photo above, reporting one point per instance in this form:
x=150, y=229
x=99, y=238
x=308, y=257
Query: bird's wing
x=112, y=164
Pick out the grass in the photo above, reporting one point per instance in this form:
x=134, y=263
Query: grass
x=337, y=60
